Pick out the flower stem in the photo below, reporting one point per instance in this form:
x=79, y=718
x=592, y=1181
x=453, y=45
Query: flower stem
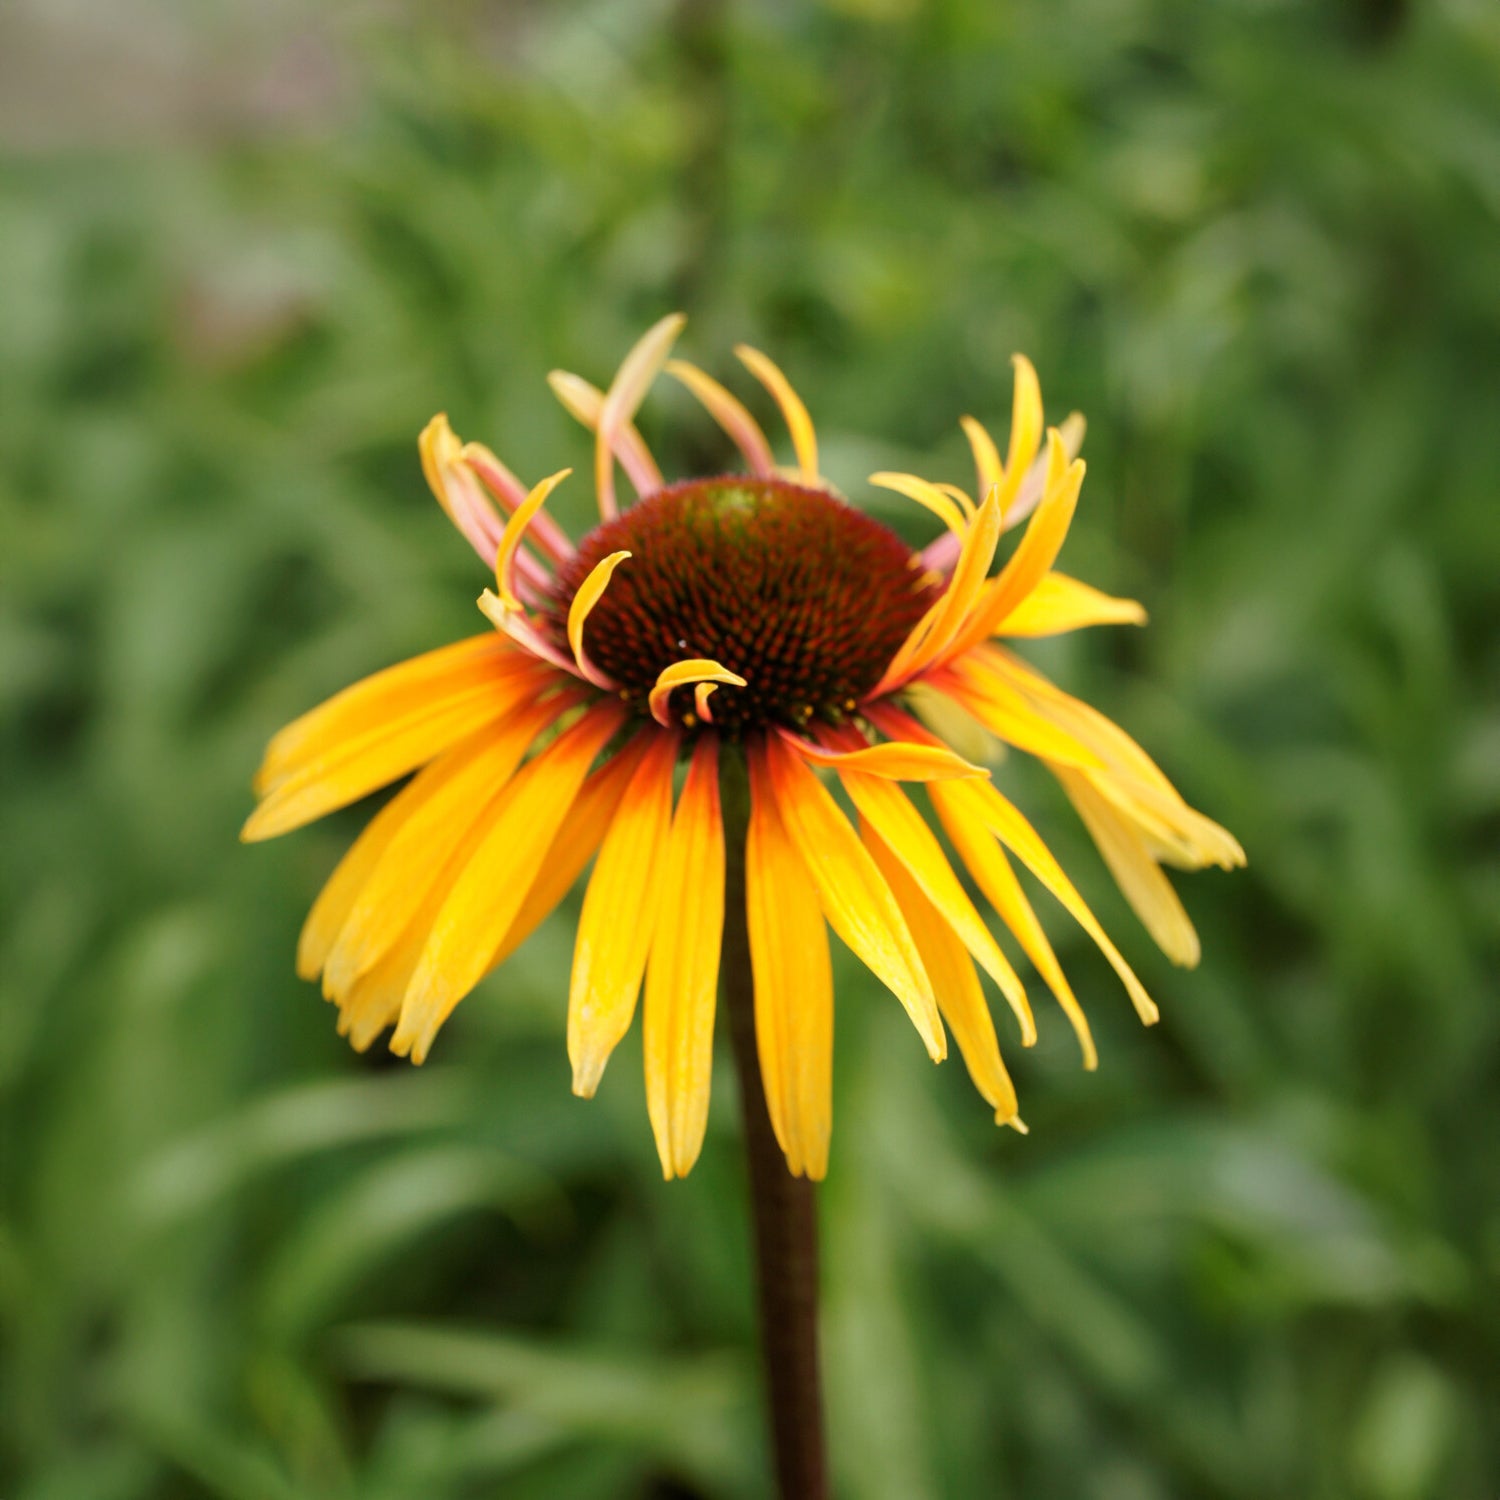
x=784, y=1207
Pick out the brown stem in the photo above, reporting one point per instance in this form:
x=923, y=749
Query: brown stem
x=784, y=1207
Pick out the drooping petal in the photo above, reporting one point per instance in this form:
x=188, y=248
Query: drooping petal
x=1148, y=891
x=321, y=929
x=985, y=803
x=374, y=1000
x=577, y=840
x=959, y=994
x=585, y=403
x=680, y=674
x=799, y=424
x=905, y=834
x=729, y=412
x=1132, y=780
x=793, y=985
x=619, y=916
x=590, y=591
x=348, y=762
x=1007, y=713
x=422, y=847
x=972, y=836
x=623, y=399
x=855, y=898
x=985, y=860
x=413, y=686
x=487, y=895
x=682, y=974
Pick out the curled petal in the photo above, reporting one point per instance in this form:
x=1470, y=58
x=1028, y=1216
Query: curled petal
x=515, y=624
x=590, y=591
x=799, y=424
x=585, y=403
x=729, y=412
x=455, y=489
x=942, y=505
x=679, y=674
x=515, y=529
x=549, y=537
x=623, y=399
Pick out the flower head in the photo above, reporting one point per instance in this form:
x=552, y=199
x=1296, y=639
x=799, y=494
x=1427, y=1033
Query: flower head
x=754, y=616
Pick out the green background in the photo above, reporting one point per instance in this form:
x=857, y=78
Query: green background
x=245, y=253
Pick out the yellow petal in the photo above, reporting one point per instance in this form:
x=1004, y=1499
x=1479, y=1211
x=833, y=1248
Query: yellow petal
x=987, y=466
x=856, y=900
x=427, y=838
x=799, y=424
x=793, y=985
x=590, y=591
x=581, y=834
x=1031, y=561
x=943, y=506
x=682, y=975
x=619, y=917
x=894, y=760
x=956, y=985
x=1025, y=429
x=353, y=767
x=1008, y=713
x=986, y=862
x=321, y=929
x=515, y=529
x=903, y=831
x=1135, y=783
x=947, y=618
x=729, y=412
x=414, y=686
x=1059, y=603
x=679, y=674
x=982, y=801
x=1148, y=891
x=487, y=895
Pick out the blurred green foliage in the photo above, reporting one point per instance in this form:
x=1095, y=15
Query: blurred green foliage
x=1257, y=1254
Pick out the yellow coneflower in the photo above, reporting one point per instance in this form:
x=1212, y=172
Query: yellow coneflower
x=759, y=615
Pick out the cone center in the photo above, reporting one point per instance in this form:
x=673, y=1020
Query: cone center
x=802, y=595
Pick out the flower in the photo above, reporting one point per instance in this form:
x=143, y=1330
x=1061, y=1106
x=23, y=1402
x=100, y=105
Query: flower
x=754, y=615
